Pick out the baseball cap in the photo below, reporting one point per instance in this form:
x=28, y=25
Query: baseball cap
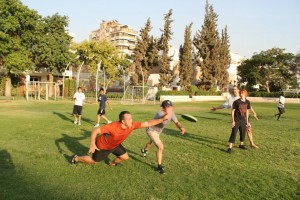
x=166, y=103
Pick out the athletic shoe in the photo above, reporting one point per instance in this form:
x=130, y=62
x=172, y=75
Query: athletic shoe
x=160, y=169
x=144, y=152
x=109, y=122
x=79, y=123
x=73, y=161
x=242, y=147
x=75, y=121
x=97, y=125
x=229, y=150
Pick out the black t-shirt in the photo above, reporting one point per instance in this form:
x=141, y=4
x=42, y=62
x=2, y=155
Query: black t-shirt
x=240, y=113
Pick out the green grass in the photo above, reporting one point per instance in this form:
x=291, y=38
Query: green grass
x=38, y=138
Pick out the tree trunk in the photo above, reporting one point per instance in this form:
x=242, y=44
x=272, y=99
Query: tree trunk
x=268, y=87
x=51, y=84
x=7, y=86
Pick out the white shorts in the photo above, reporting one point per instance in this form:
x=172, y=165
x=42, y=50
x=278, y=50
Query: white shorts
x=154, y=136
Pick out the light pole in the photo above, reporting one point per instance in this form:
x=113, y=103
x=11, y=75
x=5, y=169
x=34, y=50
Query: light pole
x=143, y=85
x=98, y=69
x=78, y=73
x=63, y=87
x=124, y=86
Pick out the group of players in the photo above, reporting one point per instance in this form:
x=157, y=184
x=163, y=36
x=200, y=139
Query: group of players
x=108, y=138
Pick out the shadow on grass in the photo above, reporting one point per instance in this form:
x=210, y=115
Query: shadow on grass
x=70, y=119
x=137, y=157
x=72, y=144
x=203, y=140
x=14, y=186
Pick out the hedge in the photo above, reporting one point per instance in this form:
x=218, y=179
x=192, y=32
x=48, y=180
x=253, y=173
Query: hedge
x=273, y=94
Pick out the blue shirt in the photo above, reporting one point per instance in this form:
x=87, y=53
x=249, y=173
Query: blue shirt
x=102, y=101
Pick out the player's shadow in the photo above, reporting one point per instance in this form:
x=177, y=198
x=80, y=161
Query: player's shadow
x=62, y=116
x=137, y=157
x=203, y=140
x=83, y=118
x=67, y=144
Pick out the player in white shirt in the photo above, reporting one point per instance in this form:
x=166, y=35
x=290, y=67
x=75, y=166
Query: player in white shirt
x=77, y=108
x=280, y=106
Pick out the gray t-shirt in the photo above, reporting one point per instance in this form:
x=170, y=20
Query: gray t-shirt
x=229, y=101
x=159, y=127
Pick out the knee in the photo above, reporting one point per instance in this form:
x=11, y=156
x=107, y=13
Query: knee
x=160, y=146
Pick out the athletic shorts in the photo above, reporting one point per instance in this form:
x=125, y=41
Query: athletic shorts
x=77, y=110
x=102, y=154
x=101, y=112
x=281, y=110
x=154, y=136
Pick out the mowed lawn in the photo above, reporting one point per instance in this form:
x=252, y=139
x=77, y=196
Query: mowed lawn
x=37, y=140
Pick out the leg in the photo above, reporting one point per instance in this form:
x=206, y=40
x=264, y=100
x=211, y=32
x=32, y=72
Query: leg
x=105, y=118
x=121, y=154
x=242, y=130
x=85, y=159
x=79, y=119
x=154, y=136
x=98, y=119
x=148, y=145
x=249, y=134
x=232, y=137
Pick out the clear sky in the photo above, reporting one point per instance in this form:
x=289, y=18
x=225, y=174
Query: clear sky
x=253, y=25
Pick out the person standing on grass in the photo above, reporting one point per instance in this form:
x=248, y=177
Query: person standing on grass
x=108, y=139
x=102, y=99
x=239, y=115
x=154, y=132
x=79, y=98
x=280, y=106
x=228, y=104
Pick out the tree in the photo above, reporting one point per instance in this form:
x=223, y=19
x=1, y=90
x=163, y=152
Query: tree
x=92, y=53
x=166, y=75
x=141, y=53
x=207, y=43
x=225, y=60
x=271, y=68
x=52, y=50
x=185, y=60
x=18, y=28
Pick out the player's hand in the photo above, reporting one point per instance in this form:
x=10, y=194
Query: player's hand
x=93, y=148
x=213, y=109
x=182, y=131
x=233, y=124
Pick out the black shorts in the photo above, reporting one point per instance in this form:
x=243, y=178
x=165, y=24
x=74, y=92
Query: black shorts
x=102, y=154
x=281, y=110
x=101, y=112
x=77, y=110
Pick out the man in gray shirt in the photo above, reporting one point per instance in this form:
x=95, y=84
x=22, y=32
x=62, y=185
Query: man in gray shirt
x=154, y=131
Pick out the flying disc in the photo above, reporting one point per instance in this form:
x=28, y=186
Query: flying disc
x=189, y=117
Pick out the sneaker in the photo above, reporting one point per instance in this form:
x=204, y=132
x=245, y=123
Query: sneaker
x=109, y=122
x=75, y=121
x=242, y=147
x=97, y=125
x=73, y=161
x=229, y=150
x=144, y=152
x=79, y=123
x=160, y=169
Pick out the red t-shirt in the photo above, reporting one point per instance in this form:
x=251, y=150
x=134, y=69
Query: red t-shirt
x=112, y=135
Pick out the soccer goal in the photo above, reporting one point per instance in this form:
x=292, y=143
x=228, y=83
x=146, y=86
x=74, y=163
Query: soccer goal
x=139, y=95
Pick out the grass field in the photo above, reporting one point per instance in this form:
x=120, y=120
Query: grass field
x=37, y=140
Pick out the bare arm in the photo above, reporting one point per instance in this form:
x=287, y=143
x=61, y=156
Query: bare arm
x=254, y=113
x=247, y=115
x=154, y=122
x=182, y=130
x=94, y=134
x=217, y=108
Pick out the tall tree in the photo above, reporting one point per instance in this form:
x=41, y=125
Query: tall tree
x=18, y=28
x=269, y=69
x=207, y=43
x=186, y=63
x=52, y=51
x=141, y=58
x=166, y=74
x=225, y=60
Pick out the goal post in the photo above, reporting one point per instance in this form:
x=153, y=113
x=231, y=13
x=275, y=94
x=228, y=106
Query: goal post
x=139, y=95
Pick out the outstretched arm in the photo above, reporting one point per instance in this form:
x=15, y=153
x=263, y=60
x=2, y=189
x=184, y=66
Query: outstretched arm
x=109, y=105
x=217, y=108
x=154, y=122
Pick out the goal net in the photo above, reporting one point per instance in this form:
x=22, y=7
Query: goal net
x=139, y=95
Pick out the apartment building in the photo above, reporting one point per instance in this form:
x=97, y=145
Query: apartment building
x=122, y=36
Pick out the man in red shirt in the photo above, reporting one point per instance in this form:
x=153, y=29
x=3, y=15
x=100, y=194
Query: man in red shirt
x=111, y=138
